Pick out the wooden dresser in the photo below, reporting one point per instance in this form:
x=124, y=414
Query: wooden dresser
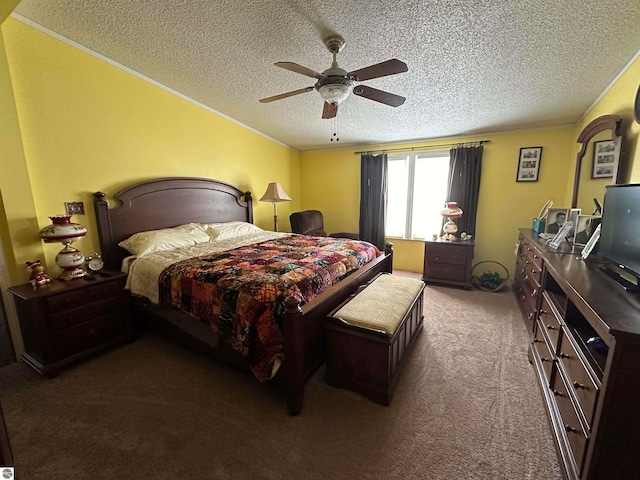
x=66, y=320
x=448, y=262
x=591, y=388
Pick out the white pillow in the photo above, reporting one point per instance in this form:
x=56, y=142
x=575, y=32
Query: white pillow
x=144, y=243
x=224, y=231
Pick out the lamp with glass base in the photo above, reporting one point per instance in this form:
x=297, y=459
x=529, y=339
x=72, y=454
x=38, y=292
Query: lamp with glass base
x=69, y=259
x=451, y=213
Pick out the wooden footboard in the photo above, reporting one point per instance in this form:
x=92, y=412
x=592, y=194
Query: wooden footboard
x=303, y=329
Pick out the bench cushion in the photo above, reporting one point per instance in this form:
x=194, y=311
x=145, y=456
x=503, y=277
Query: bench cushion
x=382, y=304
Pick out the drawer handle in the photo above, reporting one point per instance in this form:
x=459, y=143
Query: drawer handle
x=550, y=327
x=544, y=359
x=557, y=393
x=569, y=428
x=543, y=312
x=578, y=385
x=530, y=316
x=535, y=340
x=564, y=355
x=535, y=256
x=528, y=249
x=526, y=262
x=535, y=291
x=522, y=298
x=93, y=332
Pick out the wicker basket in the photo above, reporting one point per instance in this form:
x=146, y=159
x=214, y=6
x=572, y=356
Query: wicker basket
x=479, y=283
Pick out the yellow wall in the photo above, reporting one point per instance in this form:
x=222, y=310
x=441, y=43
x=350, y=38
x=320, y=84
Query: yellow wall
x=331, y=180
x=18, y=215
x=86, y=126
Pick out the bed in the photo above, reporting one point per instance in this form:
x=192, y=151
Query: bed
x=169, y=202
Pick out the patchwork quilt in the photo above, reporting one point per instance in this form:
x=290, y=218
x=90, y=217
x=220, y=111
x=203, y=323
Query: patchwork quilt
x=241, y=292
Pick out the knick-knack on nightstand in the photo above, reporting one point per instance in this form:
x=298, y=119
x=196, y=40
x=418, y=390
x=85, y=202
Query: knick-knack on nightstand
x=38, y=275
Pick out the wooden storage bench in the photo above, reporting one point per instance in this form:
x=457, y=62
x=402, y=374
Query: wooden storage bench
x=369, y=335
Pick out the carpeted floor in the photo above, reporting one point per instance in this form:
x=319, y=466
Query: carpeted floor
x=467, y=407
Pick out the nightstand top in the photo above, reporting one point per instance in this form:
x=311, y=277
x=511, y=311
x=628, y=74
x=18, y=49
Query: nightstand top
x=449, y=242
x=28, y=292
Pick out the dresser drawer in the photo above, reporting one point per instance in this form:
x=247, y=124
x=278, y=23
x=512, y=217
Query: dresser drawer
x=570, y=422
x=531, y=288
x=83, y=296
x=81, y=314
x=446, y=271
x=533, y=269
x=543, y=350
x=89, y=334
x=580, y=380
x=549, y=322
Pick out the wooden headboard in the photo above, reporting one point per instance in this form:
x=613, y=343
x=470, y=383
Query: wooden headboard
x=165, y=203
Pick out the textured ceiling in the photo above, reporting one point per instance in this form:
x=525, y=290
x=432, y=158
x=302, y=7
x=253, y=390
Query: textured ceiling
x=475, y=66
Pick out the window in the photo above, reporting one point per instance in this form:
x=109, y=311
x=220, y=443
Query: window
x=417, y=190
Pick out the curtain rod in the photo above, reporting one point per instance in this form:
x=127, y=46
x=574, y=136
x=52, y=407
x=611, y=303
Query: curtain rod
x=480, y=142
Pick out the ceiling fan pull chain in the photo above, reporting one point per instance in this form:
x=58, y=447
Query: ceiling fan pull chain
x=334, y=129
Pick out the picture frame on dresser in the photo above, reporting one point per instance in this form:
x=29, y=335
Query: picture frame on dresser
x=529, y=164
x=556, y=217
x=585, y=227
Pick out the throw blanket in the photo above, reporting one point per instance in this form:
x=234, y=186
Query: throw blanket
x=241, y=292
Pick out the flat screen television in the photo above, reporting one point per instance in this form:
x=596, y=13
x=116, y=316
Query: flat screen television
x=620, y=233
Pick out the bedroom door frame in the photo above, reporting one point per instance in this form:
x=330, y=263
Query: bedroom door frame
x=9, y=307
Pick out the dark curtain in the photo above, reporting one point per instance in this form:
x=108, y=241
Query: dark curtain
x=373, y=198
x=464, y=184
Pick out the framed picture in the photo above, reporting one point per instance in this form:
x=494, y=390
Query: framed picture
x=562, y=235
x=529, y=164
x=585, y=227
x=573, y=218
x=74, y=208
x=604, y=159
x=556, y=218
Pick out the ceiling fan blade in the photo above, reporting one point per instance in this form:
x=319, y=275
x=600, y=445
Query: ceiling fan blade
x=294, y=67
x=379, y=95
x=329, y=111
x=285, y=95
x=390, y=67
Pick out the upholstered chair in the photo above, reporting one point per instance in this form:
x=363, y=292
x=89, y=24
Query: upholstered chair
x=311, y=222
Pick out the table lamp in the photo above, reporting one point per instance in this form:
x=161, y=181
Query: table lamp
x=450, y=213
x=66, y=232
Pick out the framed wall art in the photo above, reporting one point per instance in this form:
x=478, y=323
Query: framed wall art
x=529, y=164
x=604, y=159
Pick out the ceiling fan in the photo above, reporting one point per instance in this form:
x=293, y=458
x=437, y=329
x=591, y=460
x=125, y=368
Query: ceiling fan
x=334, y=84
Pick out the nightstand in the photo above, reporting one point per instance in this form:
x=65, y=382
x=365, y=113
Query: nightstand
x=448, y=262
x=63, y=321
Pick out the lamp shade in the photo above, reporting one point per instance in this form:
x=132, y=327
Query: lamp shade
x=61, y=229
x=275, y=193
x=334, y=94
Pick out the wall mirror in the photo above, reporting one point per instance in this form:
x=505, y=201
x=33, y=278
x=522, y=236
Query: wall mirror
x=598, y=163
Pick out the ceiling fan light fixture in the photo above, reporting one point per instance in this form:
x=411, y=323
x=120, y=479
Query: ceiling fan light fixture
x=334, y=94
